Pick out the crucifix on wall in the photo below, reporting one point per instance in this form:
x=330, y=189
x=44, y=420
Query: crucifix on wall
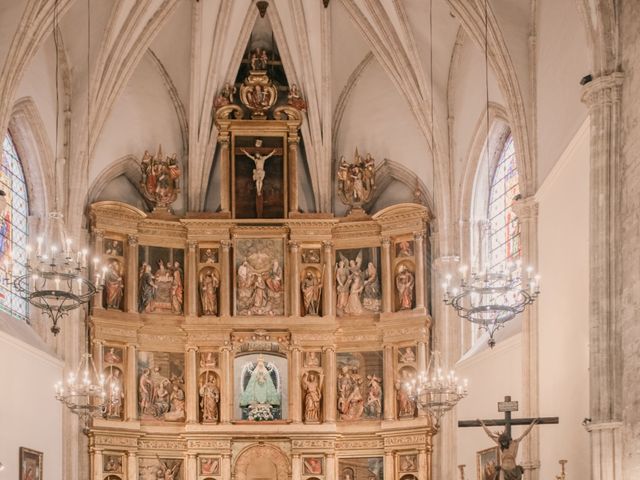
x=508, y=445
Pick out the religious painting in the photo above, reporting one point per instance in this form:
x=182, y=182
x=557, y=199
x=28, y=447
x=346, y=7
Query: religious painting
x=405, y=286
x=312, y=466
x=161, y=280
x=404, y=248
x=208, y=288
x=359, y=385
x=310, y=255
x=209, y=255
x=371, y=468
x=259, y=177
x=311, y=292
x=312, y=359
x=208, y=360
x=357, y=274
x=112, y=463
x=113, y=285
x=161, y=392
x=209, y=466
x=157, y=467
x=408, y=463
x=406, y=407
x=159, y=182
x=31, y=465
x=113, y=248
x=488, y=460
x=261, y=387
x=259, y=277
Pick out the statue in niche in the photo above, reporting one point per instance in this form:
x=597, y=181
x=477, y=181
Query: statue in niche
x=115, y=393
x=312, y=386
x=371, y=294
x=260, y=396
x=112, y=464
x=311, y=291
x=342, y=285
x=407, y=356
x=406, y=406
x=373, y=406
x=209, y=399
x=405, y=283
x=350, y=399
x=147, y=289
x=356, y=287
x=356, y=181
x=294, y=98
x=113, y=285
x=209, y=284
x=159, y=182
x=225, y=97
x=177, y=290
x=160, y=397
x=259, y=160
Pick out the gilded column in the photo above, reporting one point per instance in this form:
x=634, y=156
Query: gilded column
x=131, y=279
x=294, y=278
x=423, y=473
x=131, y=391
x=97, y=464
x=225, y=265
x=293, y=171
x=388, y=383
x=191, y=305
x=192, y=466
x=330, y=402
x=420, y=269
x=225, y=468
x=296, y=467
x=389, y=470
x=132, y=466
x=191, y=380
x=330, y=474
x=225, y=172
x=328, y=288
x=387, y=274
x=422, y=367
x=98, y=245
x=295, y=387
x=226, y=393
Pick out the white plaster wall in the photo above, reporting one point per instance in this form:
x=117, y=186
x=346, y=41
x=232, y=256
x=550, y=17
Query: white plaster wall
x=563, y=233
x=29, y=414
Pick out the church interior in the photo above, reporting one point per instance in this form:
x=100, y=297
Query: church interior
x=319, y=239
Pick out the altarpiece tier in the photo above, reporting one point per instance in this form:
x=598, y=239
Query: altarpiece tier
x=298, y=332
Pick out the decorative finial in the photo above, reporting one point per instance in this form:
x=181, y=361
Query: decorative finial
x=262, y=7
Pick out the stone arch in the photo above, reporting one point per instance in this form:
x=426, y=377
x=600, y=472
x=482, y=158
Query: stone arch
x=127, y=166
x=262, y=460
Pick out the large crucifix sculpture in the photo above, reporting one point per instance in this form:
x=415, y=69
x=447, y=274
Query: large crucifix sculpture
x=508, y=445
x=259, y=156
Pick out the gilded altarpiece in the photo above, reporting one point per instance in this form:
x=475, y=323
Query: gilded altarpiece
x=274, y=381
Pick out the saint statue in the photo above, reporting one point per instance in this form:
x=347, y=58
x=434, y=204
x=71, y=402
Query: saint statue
x=342, y=285
x=259, y=161
x=113, y=286
x=373, y=407
x=177, y=290
x=312, y=387
x=371, y=295
x=260, y=395
x=209, y=400
x=406, y=406
x=115, y=393
x=209, y=292
x=311, y=290
x=508, y=452
x=294, y=99
x=350, y=400
x=404, y=287
x=147, y=289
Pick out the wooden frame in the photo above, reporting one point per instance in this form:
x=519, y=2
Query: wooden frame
x=483, y=457
x=30, y=461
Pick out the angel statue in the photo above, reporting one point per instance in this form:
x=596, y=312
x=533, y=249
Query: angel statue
x=350, y=285
x=356, y=181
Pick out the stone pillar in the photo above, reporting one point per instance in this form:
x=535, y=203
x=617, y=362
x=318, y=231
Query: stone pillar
x=387, y=277
x=388, y=383
x=130, y=390
x=225, y=468
x=192, y=466
x=330, y=473
x=330, y=402
x=131, y=278
x=191, y=280
x=389, y=467
x=423, y=473
x=420, y=269
x=603, y=98
x=527, y=212
x=294, y=278
x=329, y=287
x=294, y=385
x=191, y=384
x=97, y=464
x=225, y=290
x=132, y=466
x=293, y=140
x=225, y=172
x=226, y=385
x=296, y=467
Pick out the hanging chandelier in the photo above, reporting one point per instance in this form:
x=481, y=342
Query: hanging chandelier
x=56, y=279
x=436, y=389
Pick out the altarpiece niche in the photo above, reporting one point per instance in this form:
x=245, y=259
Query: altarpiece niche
x=261, y=391
x=161, y=390
x=357, y=275
x=359, y=385
x=160, y=280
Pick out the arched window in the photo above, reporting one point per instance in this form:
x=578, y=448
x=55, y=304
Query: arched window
x=504, y=239
x=13, y=229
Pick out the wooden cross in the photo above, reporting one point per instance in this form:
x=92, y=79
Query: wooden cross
x=507, y=407
x=260, y=150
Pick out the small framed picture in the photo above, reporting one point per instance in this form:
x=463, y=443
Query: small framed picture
x=488, y=460
x=30, y=464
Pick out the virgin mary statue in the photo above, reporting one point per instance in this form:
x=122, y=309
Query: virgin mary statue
x=260, y=395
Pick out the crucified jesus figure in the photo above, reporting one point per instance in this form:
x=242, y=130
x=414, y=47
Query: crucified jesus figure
x=508, y=452
x=259, y=160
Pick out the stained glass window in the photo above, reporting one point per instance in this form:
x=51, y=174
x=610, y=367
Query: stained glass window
x=13, y=229
x=504, y=240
